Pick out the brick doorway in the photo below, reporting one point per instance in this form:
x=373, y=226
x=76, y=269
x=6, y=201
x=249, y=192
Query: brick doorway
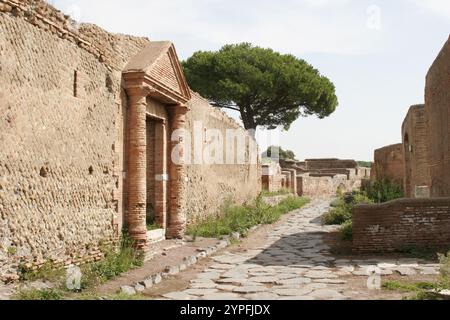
x=156, y=178
x=157, y=97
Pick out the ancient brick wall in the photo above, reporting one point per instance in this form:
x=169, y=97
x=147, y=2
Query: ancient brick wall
x=60, y=134
x=437, y=107
x=401, y=224
x=417, y=177
x=209, y=185
x=273, y=179
x=325, y=186
x=388, y=164
x=315, y=164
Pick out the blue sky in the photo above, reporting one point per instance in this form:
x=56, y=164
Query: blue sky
x=376, y=52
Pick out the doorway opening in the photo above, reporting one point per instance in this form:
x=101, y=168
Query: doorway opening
x=156, y=179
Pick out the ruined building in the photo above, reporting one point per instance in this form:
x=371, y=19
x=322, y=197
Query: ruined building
x=389, y=164
x=437, y=114
x=89, y=124
x=415, y=150
x=314, y=177
x=422, y=219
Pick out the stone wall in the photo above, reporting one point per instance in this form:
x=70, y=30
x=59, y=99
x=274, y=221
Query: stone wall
x=209, y=185
x=273, y=179
x=325, y=186
x=401, y=224
x=60, y=134
x=63, y=164
x=437, y=107
x=414, y=133
x=388, y=164
x=315, y=164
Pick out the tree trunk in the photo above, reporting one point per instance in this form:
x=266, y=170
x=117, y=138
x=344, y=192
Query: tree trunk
x=248, y=119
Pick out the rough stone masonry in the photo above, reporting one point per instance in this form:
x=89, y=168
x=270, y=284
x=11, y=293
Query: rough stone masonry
x=86, y=131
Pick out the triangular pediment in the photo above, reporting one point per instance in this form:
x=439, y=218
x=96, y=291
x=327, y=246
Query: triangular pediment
x=159, y=64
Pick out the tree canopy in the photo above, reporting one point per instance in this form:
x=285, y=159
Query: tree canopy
x=282, y=154
x=269, y=89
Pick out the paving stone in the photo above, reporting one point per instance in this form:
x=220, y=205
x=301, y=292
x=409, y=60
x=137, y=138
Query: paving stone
x=294, y=281
x=315, y=286
x=139, y=287
x=157, y=278
x=178, y=296
x=252, y=289
x=148, y=283
x=182, y=266
x=429, y=271
x=299, y=298
x=261, y=296
x=264, y=279
x=330, y=281
x=319, y=274
x=172, y=270
x=405, y=271
x=206, y=285
x=209, y=275
x=231, y=281
x=200, y=292
x=128, y=290
x=221, y=266
x=293, y=292
x=222, y=296
x=327, y=294
x=225, y=287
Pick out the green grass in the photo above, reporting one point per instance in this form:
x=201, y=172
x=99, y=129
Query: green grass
x=409, y=287
x=241, y=218
x=47, y=272
x=347, y=230
x=342, y=210
x=425, y=290
x=153, y=226
x=35, y=294
x=116, y=261
x=281, y=192
x=383, y=191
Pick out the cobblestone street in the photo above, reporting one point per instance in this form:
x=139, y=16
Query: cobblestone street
x=295, y=263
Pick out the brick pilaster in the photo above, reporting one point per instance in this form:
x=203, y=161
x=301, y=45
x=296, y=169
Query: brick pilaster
x=137, y=167
x=177, y=214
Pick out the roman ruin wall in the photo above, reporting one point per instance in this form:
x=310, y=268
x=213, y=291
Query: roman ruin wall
x=63, y=134
x=401, y=224
x=437, y=106
x=416, y=169
x=388, y=164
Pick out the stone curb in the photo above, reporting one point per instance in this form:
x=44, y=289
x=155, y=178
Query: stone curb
x=189, y=261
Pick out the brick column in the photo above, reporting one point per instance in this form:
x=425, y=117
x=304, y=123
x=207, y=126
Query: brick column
x=137, y=167
x=161, y=175
x=177, y=215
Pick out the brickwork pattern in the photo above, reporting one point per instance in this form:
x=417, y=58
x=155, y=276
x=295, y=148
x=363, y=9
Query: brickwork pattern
x=389, y=164
x=401, y=224
x=208, y=186
x=60, y=101
x=437, y=106
x=414, y=133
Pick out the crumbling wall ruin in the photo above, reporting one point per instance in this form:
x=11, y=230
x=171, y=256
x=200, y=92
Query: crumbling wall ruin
x=389, y=164
x=416, y=168
x=437, y=112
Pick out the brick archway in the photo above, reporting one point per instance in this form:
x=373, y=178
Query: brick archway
x=152, y=77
